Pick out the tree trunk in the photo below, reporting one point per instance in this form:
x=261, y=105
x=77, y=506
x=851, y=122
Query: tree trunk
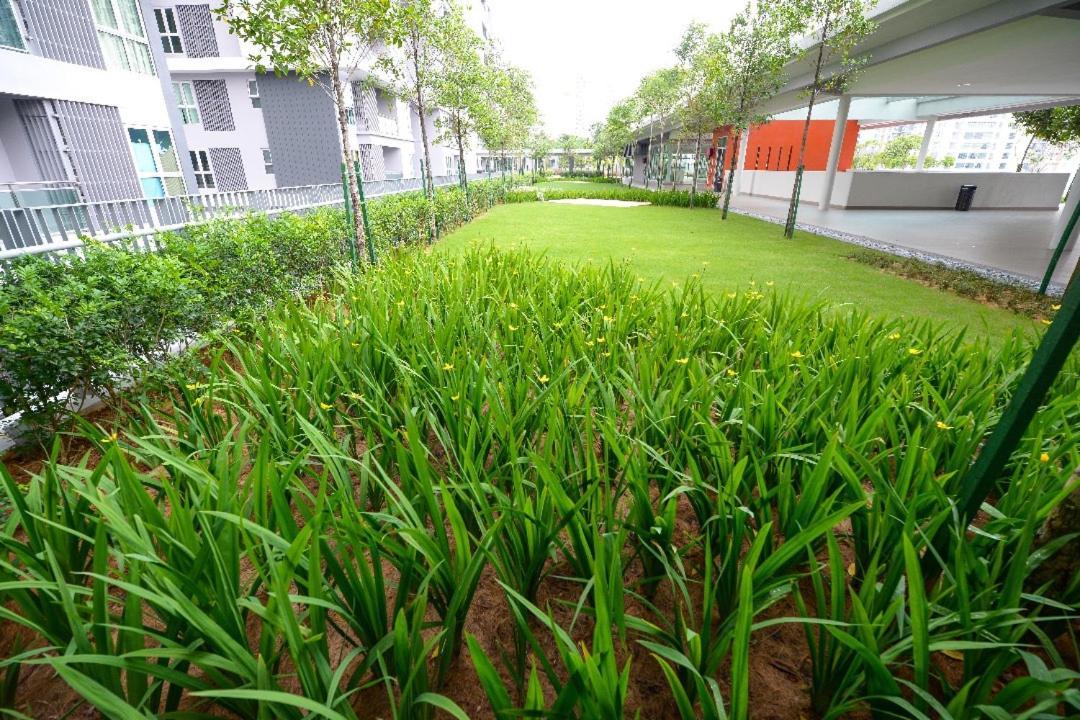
x=697, y=159
x=648, y=158
x=674, y=169
x=1023, y=157
x=463, y=176
x=731, y=174
x=421, y=109
x=346, y=151
x=793, y=208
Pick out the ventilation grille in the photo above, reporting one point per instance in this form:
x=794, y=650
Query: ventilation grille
x=197, y=30
x=371, y=160
x=228, y=169
x=64, y=30
x=367, y=107
x=213, y=99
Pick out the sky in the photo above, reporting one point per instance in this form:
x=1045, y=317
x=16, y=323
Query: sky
x=585, y=55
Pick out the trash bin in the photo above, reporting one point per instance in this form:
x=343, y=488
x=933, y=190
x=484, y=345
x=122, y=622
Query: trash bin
x=965, y=197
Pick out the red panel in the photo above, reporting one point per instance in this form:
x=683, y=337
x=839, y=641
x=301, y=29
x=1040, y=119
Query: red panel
x=775, y=146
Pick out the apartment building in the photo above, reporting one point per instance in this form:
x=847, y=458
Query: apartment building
x=83, y=111
x=246, y=129
x=113, y=99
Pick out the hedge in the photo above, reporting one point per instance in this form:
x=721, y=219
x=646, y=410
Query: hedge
x=673, y=198
x=94, y=322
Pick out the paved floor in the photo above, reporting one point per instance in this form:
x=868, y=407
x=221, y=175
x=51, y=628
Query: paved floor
x=1017, y=242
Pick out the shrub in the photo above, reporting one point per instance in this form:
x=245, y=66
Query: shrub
x=93, y=322
x=673, y=198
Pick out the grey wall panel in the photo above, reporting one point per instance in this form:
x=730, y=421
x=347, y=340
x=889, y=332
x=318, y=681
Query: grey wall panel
x=197, y=30
x=213, y=99
x=228, y=167
x=64, y=30
x=98, y=149
x=301, y=129
x=42, y=135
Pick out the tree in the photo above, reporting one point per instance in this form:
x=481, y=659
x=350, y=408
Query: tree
x=568, y=143
x=412, y=71
x=898, y=153
x=837, y=26
x=459, y=85
x=540, y=146
x=746, y=67
x=1057, y=126
x=323, y=43
x=512, y=110
x=699, y=114
x=616, y=132
x=658, y=95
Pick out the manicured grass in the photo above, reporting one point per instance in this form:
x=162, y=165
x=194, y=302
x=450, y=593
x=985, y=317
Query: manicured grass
x=672, y=244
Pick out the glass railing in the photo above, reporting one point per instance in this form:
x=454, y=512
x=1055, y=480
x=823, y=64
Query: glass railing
x=37, y=194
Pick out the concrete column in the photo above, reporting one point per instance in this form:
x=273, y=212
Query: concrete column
x=744, y=142
x=834, y=151
x=1071, y=201
x=928, y=133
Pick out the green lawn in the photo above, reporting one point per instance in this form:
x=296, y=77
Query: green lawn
x=674, y=243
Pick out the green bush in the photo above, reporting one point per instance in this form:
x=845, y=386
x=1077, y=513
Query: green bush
x=672, y=198
x=603, y=179
x=91, y=323
x=398, y=220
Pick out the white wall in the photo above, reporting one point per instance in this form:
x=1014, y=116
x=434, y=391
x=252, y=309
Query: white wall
x=778, y=184
x=996, y=190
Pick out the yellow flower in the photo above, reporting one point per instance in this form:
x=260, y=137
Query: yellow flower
x=695, y=276
x=589, y=343
x=1045, y=321
x=731, y=373
x=454, y=397
x=1045, y=457
x=686, y=315
x=325, y=406
x=797, y=355
x=914, y=351
x=513, y=306
x=732, y=296
x=512, y=327
x=448, y=367
x=543, y=378
x=894, y=336
x=557, y=326
x=602, y=307
x=111, y=437
x=607, y=354
x=609, y=318
x=1055, y=308
x=355, y=344
x=354, y=396
x=770, y=283
x=601, y=340
x=683, y=361
x=401, y=303
x=943, y=426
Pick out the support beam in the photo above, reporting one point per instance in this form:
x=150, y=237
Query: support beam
x=928, y=133
x=1072, y=199
x=744, y=142
x=842, y=109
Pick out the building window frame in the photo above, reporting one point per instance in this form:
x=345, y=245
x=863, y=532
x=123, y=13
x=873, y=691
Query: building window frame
x=169, y=31
x=204, y=172
x=253, y=93
x=153, y=168
x=184, y=92
x=122, y=36
x=17, y=26
x=268, y=161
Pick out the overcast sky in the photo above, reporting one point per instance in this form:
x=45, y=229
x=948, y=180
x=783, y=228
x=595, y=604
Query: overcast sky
x=584, y=55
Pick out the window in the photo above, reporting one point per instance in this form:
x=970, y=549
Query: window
x=200, y=162
x=185, y=101
x=122, y=37
x=268, y=161
x=253, y=93
x=156, y=163
x=10, y=35
x=449, y=165
x=166, y=27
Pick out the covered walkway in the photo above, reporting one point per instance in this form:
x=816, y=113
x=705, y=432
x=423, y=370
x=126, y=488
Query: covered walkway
x=999, y=243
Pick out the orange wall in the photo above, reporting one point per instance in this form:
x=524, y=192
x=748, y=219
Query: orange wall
x=775, y=146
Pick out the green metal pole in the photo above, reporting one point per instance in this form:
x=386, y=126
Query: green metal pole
x=363, y=212
x=1049, y=358
x=1069, y=227
x=349, y=215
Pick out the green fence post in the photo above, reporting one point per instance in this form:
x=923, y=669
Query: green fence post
x=1049, y=358
x=349, y=215
x=363, y=212
x=1069, y=227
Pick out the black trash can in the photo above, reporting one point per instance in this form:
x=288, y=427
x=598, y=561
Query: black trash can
x=965, y=197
